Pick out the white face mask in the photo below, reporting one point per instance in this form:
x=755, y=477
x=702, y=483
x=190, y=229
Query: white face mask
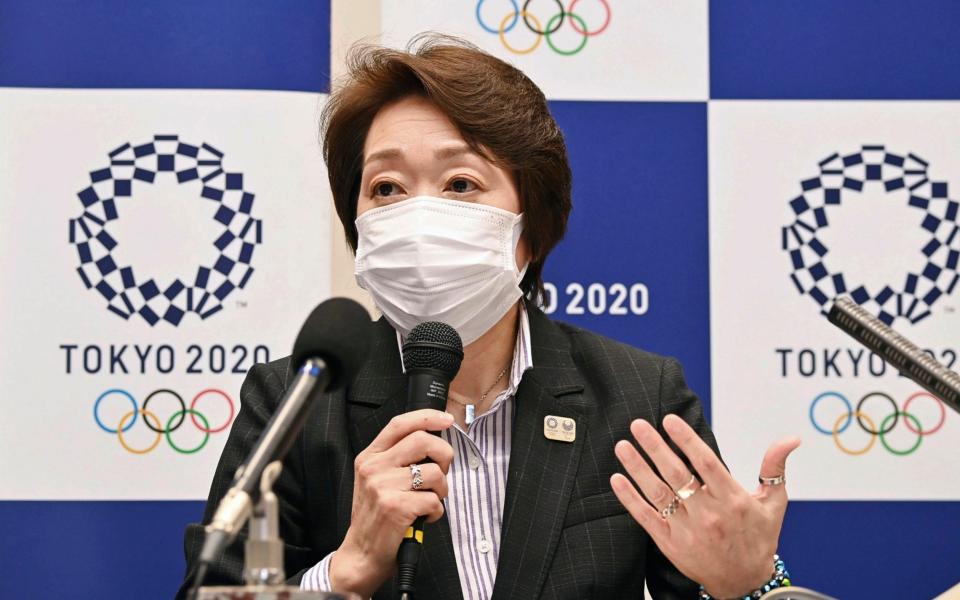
x=431, y=259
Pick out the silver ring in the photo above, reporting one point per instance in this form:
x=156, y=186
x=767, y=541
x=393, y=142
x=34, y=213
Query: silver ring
x=778, y=480
x=689, y=489
x=671, y=508
x=417, y=477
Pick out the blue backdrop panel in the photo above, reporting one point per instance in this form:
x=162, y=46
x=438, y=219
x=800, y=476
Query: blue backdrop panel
x=872, y=549
x=823, y=49
x=640, y=215
x=208, y=44
x=93, y=550
x=102, y=550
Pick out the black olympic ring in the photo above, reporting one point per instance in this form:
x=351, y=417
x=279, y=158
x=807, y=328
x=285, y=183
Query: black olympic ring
x=893, y=423
x=526, y=19
x=182, y=411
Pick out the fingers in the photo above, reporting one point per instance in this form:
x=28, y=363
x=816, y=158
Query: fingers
x=711, y=471
x=418, y=447
x=774, y=464
x=671, y=468
x=654, y=489
x=402, y=425
x=401, y=479
x=434, y=479
x=402, y=508
x=426, y=505
x=638, y=508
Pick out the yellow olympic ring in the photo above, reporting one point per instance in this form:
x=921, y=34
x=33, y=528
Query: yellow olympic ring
x=503, y=38
x=836, y=433
x=145, y=413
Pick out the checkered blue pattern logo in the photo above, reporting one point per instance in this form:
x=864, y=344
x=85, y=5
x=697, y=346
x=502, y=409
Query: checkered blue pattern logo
x=130, y=292
x=904, y=175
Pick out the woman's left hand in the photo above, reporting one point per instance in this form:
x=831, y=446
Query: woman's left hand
x=721, y=536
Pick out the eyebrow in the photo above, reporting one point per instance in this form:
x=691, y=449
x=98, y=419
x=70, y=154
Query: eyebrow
x=445, y=153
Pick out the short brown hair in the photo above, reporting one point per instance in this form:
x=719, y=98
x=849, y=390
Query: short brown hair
x=500, y=113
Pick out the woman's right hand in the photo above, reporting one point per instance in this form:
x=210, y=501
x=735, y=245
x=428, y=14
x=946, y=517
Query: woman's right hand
x=384, y=503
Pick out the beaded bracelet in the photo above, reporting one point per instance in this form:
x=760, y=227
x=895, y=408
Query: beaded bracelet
x=780, y=579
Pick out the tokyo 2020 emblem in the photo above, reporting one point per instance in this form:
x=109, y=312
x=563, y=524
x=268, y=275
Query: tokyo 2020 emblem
x=222, y=197
x=542, y=27
x=927, y=206
x=164, y=427
x=838, y=421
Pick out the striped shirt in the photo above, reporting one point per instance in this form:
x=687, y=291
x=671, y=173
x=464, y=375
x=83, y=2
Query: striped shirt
x=477, y=482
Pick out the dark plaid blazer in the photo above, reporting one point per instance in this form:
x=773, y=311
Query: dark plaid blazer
x=565, y=535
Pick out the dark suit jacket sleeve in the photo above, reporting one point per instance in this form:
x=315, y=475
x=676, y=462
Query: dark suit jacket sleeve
x=663, y=579
x=259, y=396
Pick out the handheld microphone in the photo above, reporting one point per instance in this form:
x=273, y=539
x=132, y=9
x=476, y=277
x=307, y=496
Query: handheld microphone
x=431, y=356
x=896, y=350
x=329, y=351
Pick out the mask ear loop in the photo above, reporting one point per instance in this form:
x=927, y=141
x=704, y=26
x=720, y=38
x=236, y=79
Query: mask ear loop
x=518, y=223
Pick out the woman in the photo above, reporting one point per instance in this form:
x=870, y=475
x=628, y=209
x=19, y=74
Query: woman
x=451, y=180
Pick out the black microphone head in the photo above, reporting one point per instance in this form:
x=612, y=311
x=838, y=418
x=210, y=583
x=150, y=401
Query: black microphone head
x=433, y=345
x=339, y=331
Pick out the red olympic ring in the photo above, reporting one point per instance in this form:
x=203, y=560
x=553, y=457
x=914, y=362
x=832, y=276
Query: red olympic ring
x=943, y=413
x=193, y=406
x=576, y=28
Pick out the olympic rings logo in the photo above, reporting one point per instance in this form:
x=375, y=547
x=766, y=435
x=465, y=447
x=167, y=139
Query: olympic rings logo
x=543, y=29
x=155, y=424
x=897, y=415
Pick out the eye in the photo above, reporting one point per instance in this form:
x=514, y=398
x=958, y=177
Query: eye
x=462, y=185
x=385, y=188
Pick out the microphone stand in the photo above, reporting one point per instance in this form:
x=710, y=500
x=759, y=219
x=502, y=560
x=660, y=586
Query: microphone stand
x=263, y=551
x=263, y=571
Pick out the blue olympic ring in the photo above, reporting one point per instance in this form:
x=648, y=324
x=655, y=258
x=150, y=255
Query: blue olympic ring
x=813, y=406
x=516, y=15
x=96, y=409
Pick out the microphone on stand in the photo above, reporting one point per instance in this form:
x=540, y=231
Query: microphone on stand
x=431, y=357
x=896, y=350
x=329, y=351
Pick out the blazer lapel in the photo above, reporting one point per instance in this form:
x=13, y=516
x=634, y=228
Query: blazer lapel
x=542, y=471
x=379, y=392
x=377, y=395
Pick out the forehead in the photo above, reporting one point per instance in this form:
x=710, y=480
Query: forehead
x=410, y=123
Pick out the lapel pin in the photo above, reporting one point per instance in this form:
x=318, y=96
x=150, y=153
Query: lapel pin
x=560, y=429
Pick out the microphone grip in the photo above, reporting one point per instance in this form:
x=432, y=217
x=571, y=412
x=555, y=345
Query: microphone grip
x=408, y=557
x=426, y=388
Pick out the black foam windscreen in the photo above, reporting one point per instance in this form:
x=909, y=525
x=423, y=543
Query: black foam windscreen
x=339, y=331
x=433, y=345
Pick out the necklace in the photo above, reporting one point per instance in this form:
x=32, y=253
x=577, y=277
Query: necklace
x=472, y=408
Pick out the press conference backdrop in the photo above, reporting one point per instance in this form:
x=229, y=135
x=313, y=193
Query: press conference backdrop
x=165, y=224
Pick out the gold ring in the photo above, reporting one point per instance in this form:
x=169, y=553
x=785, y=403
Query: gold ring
x=689, y=489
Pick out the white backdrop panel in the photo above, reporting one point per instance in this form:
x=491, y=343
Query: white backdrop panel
x=50, y=444
x=767, y=368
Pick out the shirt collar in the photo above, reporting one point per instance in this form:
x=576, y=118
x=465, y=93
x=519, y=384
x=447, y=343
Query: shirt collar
x=522, y=353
